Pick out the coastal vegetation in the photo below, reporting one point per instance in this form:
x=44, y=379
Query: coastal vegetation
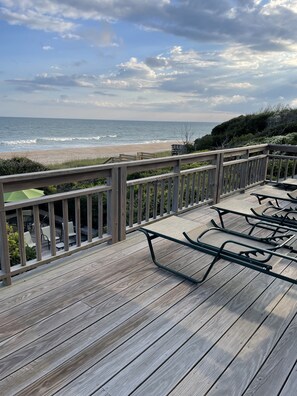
x=276, y=125
x=13, y=244
x=17, y=165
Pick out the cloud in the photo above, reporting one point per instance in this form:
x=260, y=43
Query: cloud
x=52, y=81
x=254, y=23
x=47, y=48
x=219, y=80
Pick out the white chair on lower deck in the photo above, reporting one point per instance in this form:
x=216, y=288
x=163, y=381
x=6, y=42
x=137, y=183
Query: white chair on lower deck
x=71, y=233
x=28, y=240
x=46, y=235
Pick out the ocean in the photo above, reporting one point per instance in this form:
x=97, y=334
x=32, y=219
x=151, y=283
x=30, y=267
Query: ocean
x=27, y=134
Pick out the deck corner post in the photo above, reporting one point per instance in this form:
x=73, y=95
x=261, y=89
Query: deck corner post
x=4, y=247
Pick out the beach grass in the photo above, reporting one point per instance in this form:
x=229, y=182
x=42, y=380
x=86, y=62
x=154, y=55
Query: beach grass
x=92, y=161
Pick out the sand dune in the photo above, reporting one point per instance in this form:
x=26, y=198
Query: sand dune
x=47, y=157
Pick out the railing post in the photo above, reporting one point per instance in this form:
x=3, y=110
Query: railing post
x=112, y=205
x=219, y=176
x=122, y=201
x=4, y=247
x=176, y=182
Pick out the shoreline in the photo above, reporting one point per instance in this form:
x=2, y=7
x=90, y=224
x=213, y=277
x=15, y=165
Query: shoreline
x=59, y=156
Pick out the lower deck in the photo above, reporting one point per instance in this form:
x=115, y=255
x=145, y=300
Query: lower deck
x=109, y=322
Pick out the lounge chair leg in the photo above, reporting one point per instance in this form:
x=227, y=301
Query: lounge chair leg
x=178, y=273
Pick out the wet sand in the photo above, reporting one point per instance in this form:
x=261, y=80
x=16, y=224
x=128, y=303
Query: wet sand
x=47, y=157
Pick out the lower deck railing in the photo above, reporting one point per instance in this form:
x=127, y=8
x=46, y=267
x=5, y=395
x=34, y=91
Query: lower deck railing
x=125, y=196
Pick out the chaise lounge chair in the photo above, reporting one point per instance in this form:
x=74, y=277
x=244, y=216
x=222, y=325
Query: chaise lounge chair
x=266, y=212
x=276, y=194
x=249, y=251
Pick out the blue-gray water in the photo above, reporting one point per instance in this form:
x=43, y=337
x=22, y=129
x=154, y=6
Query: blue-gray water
x=26, y=134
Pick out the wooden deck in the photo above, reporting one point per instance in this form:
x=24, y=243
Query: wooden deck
x=109, y=322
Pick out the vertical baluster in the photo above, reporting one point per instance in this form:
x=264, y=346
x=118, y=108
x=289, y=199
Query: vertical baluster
x=77, y=221
x=239, y=174
x=187, y=190
x=131, y=207
x=203, y=186
x=280, y=163
x=51, y=215
x=65, y=225
x=147, y=202
x=256, y=170
x=181, y=195
x=294, y=168
x=90, y=217
x=241, y=170
x=252, y=171
x=231, y=178
x=193, y=189
x=272, y=169
x=225, y=178
x=100, y=215
x=139, y=211
x=209, y=193
x=237, y=168
x=249, y=173
x=258, y=173
x=22, y=246
x=286, y=169
x=198, y=188
x=162, y=198
x=37, y=232
x=169, y=184
x=155, y=200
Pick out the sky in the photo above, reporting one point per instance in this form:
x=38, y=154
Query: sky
x=175, y=60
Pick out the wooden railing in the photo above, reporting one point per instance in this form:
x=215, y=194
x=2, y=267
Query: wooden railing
x=126, y=195
x=282, y=162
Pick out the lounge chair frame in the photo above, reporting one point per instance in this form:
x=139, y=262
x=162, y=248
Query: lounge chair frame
x=290, y=197
x=248, y=257
x=281, y=216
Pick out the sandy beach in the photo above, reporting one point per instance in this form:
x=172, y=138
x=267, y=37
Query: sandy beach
x=47, y=157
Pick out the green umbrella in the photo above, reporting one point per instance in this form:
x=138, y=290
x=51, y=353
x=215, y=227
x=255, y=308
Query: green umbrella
x=22, y=195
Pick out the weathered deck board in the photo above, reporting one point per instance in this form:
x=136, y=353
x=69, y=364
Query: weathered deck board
x=108, y=322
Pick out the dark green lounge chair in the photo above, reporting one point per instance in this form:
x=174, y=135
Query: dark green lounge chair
x=246, y=250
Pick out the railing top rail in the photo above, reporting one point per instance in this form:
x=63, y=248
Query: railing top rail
x=38, y=179
x=289, y=148
x=284, y=157
x=56, y=197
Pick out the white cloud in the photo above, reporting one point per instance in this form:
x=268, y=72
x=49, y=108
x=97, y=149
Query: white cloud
x=251, y=59
x=47, y=47
x=276, y=7
x=251, y=22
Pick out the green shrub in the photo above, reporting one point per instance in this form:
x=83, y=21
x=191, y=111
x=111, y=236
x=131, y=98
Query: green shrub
x=14, y=250
x=19, y=165
x=277, y=122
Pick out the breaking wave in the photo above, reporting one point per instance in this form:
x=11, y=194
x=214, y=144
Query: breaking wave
x=46, y=140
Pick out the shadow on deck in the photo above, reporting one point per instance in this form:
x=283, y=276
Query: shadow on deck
x=108, y=322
